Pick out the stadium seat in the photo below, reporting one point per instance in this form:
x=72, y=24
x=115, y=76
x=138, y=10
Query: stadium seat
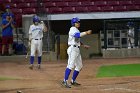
x=23, y=5
x=136, y=2
x=86, y=3
x=16, y=11
x=81, y=9
x=99, y=3
x=107, y=8
x=68, y=9
x=84, y=0
x=119, y=8
x=125, y=2
x=49, y=4
x=54, y=10
x=94, y=9
x=62, y=4
x=74, y=3
x=5, y=1
x=30, y=1
x=36, y=5
x=68, y=0
x=133, y=8
x=33, y=5
x=17, y=1
x=111, y=2
x=56, y=0
x=29, y=11
x=45, y=1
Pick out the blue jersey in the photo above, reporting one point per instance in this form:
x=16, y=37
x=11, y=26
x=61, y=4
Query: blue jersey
x=73, y=39
x=11, y=14
x=5, y=14
x=8, y=31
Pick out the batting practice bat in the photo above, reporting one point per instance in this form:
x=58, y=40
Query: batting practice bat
x=28, y=50
x=27, y=55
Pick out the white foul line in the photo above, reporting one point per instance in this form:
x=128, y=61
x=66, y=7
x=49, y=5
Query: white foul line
x=130, y=90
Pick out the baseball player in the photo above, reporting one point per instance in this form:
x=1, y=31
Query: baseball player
x=130, y=35
x=35, y=39
x=73, y=51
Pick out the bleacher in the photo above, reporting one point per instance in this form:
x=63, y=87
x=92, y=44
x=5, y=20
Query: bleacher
x=23, y=7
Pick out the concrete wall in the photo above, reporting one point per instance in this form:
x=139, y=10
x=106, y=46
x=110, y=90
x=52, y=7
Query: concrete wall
x=27, y=21
x=121, y=53
x=91, y=40
x=63, y=46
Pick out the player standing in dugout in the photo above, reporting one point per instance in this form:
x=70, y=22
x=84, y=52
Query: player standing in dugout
x=73, y=51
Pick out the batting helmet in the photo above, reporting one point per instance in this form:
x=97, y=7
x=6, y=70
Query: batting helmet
x=36, y=19
x=130, y=24
x=74, y=20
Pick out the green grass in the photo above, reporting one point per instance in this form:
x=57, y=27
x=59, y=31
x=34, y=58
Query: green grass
x=119, y=70
x=8, y=78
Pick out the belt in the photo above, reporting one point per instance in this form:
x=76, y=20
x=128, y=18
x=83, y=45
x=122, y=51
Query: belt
x=38, y=39
x=76, y=46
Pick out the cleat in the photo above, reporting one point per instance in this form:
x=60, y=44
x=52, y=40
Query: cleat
x=75, y=83
x=31, y=67
x=65, y=84
x=39, y=67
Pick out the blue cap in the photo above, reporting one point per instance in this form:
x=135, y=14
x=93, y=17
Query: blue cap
x=74, y=20
x=130, y=24
x=36, y=19
x=7, y=6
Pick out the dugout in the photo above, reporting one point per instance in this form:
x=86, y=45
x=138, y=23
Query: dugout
x=114, y=38
x=114, y=33
x=108, y=35
x=102, y=24
x=55, y=40
x=62, y=27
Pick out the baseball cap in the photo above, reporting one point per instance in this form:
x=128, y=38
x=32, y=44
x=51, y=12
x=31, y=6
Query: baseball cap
x=7, y=6
x=36, y=19
x=74, y=20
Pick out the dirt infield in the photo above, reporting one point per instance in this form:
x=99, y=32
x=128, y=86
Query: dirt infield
x=47, y=79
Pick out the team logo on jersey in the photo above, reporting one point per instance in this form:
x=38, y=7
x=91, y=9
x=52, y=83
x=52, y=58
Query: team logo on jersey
x=37, y=29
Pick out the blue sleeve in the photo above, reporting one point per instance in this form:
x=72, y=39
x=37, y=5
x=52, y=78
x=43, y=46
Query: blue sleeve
x=77, y=35
x=4, y=16
x=4, y=22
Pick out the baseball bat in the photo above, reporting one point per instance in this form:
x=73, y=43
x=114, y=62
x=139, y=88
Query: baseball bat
x=27, y=55
x=28, y=50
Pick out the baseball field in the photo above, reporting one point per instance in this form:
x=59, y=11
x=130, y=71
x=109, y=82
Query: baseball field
x=95, y=77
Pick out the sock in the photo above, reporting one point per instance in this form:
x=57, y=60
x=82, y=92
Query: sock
x=67, y=73
x=39, y=60
x=75, y=74
x=31, y=59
